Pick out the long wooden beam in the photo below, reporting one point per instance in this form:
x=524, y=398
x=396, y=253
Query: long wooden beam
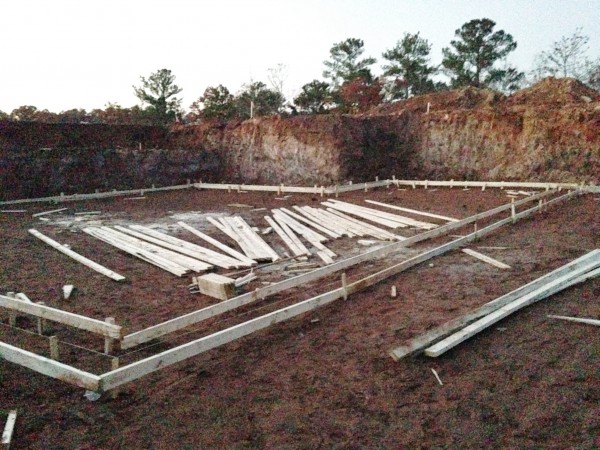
x=49, y=367
x=421, y=342
x=64, y=317
x=77, y=257
x=184, y=321
x=479, y=325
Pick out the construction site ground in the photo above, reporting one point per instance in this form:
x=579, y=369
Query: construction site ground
x=323, y=379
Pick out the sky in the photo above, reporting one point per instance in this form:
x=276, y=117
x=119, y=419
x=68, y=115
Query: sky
x=64, y=54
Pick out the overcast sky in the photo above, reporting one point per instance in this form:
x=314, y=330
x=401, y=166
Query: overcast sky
x=63, y=54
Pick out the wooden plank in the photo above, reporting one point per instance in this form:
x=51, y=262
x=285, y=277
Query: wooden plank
x=367, y=228
x=471, y=330
x=9, y=428
x=311, y=223
x=370, y=217
x=194, y=317
x=317, y=217
x=64, y=317
x=45, y=213
x=386, y=215
x=234, y=253
x=77, y=257
x=144, y=255
x=184, y=247
x=258, y=242
x=153, y=251
x=49, y=367
x=413, y=211
x=303, y=230
x=284, y=237
x=419, y=343
x=485, y=258
x=585, y=320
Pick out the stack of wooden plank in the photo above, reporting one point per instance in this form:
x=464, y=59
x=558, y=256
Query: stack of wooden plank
x=249, y=241
x=439, y=340
x=381, y=217
x=345, y=225
x=287, y=218
x=413, y=211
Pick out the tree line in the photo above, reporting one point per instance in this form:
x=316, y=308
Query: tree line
x=476, y=57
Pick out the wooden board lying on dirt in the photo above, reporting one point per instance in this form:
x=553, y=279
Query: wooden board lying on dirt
x=77, y=257
x=471, y=330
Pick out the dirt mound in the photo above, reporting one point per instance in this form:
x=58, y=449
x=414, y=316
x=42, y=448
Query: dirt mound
x=555, y=91
x=466, y=98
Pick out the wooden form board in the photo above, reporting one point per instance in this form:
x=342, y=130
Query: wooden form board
x=9, y=428
x=364, y=228
x=249, y=239
x=77, y=257
x=184, y=321
x=141, y=368
x=413, y=211
x=419, y=343
x=485, y=258
x=45, y=213
x=297, y=250
x=64, y=317
x=49, y=367
x=479, y=325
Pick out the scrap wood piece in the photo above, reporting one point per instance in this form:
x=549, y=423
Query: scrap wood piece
x=325, y=257
x=485, y=258
x=76, y=256
x=9, y=428
x=242, y=281
x=437, y=377
x=216, y=286
x=414, y=211
x=13, y=210
x=585, y=320
x=557, y=285
x=48, y=212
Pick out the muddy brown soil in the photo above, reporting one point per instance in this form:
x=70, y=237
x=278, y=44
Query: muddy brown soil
x=323, y=379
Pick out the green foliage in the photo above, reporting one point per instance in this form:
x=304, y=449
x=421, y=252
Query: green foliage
x=258, y=100
x=216, y=102
x=314, y=98
x=409, y=67
x=345, y=63
x=158, y=92
x=474, y=54
x=3, y=115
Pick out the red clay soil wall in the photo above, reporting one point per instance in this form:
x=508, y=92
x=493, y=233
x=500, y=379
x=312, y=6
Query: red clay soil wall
x=548, y=132
x=39, y=159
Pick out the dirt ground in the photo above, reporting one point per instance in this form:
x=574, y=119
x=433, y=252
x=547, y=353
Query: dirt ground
x=323, y=379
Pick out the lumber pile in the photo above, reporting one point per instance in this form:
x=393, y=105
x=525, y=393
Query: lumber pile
x=249, y=241
x=441, y=339
x=413, y=211
x=380, y=217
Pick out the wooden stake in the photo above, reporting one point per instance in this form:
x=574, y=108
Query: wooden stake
x=393, y=292
x=114, y=365
x=109, y=342
x=41, y=323
x=344, y=286
x=53, y=340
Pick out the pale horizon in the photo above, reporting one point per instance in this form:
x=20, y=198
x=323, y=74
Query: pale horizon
x=69, y=54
